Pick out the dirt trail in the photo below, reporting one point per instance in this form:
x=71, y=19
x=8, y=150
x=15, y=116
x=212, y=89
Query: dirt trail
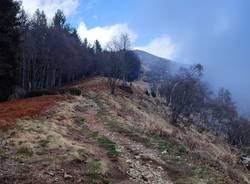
x=144, y=163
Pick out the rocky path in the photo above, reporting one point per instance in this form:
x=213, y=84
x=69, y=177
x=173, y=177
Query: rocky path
x=144, y=164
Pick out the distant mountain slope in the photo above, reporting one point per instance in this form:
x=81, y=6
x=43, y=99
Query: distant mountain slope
x=151, y=59
x=154, y=67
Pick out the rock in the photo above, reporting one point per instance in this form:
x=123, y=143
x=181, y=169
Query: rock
x=80, y=180
x=51, y=173
x=67, y=176
x=56, y=179
x=245, y=160
x=133, y=173
x=147, y=175
x=160, y=168
x=129, y=161
x=164, y=152
x=137, y=157
x=3, y=142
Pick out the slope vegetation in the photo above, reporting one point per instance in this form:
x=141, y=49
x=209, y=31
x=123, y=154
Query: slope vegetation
x=99, y=138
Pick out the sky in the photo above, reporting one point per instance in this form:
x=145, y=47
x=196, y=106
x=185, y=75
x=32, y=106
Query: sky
x=211, y=32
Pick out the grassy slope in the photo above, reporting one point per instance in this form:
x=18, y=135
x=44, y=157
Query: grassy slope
x=98, y=138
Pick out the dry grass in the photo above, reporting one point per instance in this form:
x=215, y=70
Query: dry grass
x=60, y=132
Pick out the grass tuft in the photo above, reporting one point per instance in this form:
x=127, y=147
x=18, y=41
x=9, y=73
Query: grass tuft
x=109, y=146
x=200, y=172
x=25, y=151
x=44, y=142
x=82, y=154
x=95, y=172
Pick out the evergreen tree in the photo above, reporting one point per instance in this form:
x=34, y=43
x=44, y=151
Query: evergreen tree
x=97, y=47
x=40, y=19
x=59, y=19
x=9, y=46
x=85, y=43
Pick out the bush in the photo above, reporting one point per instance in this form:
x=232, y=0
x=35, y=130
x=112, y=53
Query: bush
x=18, y=93
x=40, y=93
x=153, y=94
x=74, y=91
x=71, y=91
x=128, y=89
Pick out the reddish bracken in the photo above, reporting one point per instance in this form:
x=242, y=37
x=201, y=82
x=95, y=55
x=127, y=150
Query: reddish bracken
x=30, y=107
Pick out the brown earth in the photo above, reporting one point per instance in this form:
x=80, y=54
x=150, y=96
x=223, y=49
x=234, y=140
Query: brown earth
x=97, y=138
x=30, y=107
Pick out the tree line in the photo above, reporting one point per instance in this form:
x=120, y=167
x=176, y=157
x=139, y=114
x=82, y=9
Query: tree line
x=189, y=100
x=36, y=55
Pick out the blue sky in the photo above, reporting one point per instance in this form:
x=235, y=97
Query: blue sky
x=215, y=33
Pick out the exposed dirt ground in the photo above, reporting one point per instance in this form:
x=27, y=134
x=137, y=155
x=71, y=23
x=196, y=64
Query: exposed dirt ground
x=99, y=138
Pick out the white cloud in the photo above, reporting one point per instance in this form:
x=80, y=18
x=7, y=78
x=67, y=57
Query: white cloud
x=104, y=34
x=50, y=6
x=162, y=47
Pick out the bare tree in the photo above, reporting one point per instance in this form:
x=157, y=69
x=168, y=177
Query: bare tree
x=124, y=64
x=113, y=67
x=182, y=92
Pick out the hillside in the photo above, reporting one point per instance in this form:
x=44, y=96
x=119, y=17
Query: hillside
x=154, y=67
x=99, y=138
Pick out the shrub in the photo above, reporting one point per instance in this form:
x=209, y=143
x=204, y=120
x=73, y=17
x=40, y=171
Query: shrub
x=40, y=93
x=71, y=91
x=128, y=89
x=153, y=94
x=147, y=93
x=74, y=91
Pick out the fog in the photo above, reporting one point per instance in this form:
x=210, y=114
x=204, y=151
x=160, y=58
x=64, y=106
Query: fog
x=217, y=35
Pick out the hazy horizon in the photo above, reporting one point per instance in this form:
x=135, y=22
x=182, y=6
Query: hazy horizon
x=213, y=33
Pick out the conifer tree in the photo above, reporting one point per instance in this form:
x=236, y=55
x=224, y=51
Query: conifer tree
x=9, y=46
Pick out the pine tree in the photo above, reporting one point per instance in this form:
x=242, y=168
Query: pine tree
x=9, y=46
x=59, y=19
x=97, y=47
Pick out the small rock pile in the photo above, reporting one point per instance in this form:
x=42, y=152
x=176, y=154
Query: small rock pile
x=145, y=174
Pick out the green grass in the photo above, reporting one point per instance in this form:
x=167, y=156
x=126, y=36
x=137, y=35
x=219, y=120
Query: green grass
x=44, y=142
x=177, y=151
x=94, y=167
x=109, y=146
x=163, y=144
x=25, y=151
x=82, y=154
x=94, y=134
x=94, y=172
x=200, y=172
